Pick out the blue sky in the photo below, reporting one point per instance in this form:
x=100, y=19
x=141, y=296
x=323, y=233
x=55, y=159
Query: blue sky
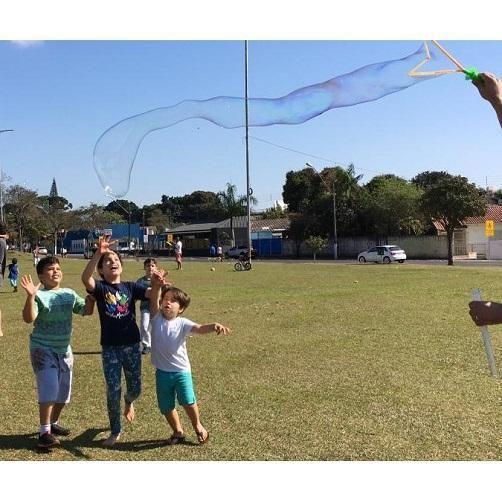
x=59, y=96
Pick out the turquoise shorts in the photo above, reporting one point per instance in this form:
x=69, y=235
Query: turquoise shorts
x=171, y=385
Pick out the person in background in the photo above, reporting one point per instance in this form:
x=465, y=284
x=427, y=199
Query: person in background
x=3, y=251
x=178, y=253
x=150, y=266
x=13, y=274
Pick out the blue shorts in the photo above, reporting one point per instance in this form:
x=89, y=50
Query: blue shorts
x=53, y=373
x=172, y=384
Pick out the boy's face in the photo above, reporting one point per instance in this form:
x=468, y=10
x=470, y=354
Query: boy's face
x=51, y=276
x=170, y=307
x=150, y=268
x=112, y=268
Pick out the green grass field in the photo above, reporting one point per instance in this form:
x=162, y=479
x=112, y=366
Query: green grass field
x=325, y=362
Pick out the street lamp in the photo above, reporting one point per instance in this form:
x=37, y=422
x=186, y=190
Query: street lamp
x=332, y=190
x=1, y=182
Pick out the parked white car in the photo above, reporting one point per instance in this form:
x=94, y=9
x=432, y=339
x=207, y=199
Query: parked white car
x=382, y=254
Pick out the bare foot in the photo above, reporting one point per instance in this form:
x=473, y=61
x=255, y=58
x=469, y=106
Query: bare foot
x=202, y=435
x=1, y=333
x=111, y=440
x=129, y=411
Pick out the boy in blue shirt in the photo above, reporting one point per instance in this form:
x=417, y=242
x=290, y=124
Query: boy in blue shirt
x=13, y=274
x=50, y=308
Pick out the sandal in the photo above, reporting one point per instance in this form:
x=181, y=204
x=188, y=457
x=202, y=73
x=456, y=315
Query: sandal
x=175, y=439
x=200, y=436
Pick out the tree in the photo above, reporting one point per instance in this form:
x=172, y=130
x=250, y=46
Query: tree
x=449, y=200
x=92, y=217
x=391, y=206
x=234, y=205
x=316, y=243
x=273, y=213
x=23, y=213
x=310, y=192
x=299, y=228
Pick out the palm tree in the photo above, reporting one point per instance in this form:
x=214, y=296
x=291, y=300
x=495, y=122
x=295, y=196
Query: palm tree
x=234, y=205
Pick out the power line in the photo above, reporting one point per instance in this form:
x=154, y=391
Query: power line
x=309, y=155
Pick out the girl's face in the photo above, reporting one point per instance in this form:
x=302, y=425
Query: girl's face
x=150, y=268
x=169, y=307
x=112, y=268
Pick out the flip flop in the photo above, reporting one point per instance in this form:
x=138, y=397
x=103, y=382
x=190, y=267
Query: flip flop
x=174, y=439
x=200, y=436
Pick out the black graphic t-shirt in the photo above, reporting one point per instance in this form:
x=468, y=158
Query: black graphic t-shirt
x=117, y=311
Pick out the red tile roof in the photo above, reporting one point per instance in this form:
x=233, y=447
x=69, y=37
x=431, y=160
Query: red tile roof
x=493, y=212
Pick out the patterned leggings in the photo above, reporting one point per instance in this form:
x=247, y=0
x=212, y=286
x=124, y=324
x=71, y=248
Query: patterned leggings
x=116, y=358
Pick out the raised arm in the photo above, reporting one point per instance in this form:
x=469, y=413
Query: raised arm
x=490, y=88
x=153, y=293
x=203, y=329
x=104, y=244
x=29, y=310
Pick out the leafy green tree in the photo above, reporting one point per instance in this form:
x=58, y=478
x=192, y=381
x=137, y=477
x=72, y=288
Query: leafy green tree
x=391, y=206
x=273, y=213
x=125, y=207
x=300, y=226
x=449, y=200
x=316, y=243
x=310, y=192
x=23, y=213
x=93, y=216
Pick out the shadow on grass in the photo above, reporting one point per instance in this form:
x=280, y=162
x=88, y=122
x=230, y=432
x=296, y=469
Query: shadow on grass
x=85, y=440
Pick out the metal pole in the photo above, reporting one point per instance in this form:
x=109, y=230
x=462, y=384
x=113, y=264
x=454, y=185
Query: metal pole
x=335, y=240
x=248, y=188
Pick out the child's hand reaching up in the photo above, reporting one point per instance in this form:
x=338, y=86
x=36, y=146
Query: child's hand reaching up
x=28, y=286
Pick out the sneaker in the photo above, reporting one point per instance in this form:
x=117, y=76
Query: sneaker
x=58, y=430
x=146, y=350
x=48, y=441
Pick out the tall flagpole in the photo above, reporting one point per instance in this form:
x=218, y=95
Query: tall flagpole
x=249, y=190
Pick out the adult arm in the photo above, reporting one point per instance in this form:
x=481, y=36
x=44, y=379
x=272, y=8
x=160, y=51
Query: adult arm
x=490, y=88
x=30, y=310
x=485, y=313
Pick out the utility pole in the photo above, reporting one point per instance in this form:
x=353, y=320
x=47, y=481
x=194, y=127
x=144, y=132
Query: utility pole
x=249, y=190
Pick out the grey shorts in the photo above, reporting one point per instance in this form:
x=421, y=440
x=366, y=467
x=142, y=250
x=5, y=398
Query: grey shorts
x=53, y=373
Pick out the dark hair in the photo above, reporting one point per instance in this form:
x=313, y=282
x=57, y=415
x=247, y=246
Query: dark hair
x=46, y=261
x=148, y=261
x=102, y=259
x=180, y=296
x=14, y=260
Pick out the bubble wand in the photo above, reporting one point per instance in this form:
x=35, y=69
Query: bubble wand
x=470, y=73
x=476, y=296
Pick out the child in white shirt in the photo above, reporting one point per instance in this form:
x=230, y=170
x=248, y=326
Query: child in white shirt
x=170, y=357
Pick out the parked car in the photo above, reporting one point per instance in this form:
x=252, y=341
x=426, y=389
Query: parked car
x=237, y=251
x=382, y=254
